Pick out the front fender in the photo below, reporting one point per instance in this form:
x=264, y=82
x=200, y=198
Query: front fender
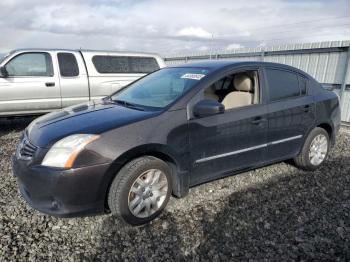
x=180, y=169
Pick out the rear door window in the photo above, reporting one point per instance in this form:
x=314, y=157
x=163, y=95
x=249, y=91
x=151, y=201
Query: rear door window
x=124, y=64
x=68, y=64
x=30, y=64
x=282, y=84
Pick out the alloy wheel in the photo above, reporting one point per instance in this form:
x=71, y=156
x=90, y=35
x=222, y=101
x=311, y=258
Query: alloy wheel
x=318, y=149
x=148, y=193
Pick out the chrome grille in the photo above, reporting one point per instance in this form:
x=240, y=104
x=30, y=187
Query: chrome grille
x=26, y=150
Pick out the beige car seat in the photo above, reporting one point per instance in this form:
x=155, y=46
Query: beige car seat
x=209, y=93
x=243, y=96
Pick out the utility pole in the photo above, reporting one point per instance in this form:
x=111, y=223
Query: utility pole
x=211, y=46
x=345, y=77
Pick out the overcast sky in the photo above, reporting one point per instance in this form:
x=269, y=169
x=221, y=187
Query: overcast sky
x=169, y=27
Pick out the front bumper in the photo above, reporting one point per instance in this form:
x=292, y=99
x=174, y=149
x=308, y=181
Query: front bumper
x=62, y=193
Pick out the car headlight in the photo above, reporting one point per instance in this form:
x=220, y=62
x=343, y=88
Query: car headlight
x=64, y=152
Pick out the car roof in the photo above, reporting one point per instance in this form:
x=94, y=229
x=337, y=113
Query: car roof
x=223, y=64
x=214, y=64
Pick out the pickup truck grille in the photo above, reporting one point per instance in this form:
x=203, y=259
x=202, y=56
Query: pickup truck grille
x=25, y=149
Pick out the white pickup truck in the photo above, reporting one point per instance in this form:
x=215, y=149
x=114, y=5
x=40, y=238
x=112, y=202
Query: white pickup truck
x=35, y=81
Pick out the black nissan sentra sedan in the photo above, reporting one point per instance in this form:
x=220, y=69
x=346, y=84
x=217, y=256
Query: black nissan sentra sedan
x=170, y=130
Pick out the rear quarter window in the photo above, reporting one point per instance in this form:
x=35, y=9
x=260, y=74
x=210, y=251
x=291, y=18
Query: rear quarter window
x=303, y=85
x=124, y=64
x=282, y=84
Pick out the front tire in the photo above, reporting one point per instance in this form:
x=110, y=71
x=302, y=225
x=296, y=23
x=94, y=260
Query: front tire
x=141, y=190
x=315, y=150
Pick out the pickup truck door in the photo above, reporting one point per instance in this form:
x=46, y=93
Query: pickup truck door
x=31, y=85
x=73, y=78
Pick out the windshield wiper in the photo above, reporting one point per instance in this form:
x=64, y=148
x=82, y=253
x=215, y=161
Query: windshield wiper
x=127, y=104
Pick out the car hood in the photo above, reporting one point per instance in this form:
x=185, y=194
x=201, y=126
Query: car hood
x=94, y=117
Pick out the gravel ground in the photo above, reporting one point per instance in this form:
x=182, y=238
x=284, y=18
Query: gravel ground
x=274, y=213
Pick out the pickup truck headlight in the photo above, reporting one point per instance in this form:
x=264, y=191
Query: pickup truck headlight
x=64, y=152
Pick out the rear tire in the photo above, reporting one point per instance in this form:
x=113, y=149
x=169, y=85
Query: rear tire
x=315, y=150
x=141, y=190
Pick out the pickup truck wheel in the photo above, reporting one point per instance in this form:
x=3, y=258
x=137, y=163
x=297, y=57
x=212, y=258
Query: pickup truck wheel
x=314, y=151
x=141, y=190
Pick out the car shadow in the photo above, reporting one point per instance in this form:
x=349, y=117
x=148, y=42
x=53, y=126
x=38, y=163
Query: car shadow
x=17, y=124
x=302, y=215
x=157, y=240
x=295, y=216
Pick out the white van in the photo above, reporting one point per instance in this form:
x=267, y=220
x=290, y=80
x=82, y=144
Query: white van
x=34, y=81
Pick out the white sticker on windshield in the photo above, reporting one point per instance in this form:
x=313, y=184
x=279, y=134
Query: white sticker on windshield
x=193, y=76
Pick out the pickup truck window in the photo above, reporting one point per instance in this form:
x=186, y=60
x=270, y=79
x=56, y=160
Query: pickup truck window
x=124, y=64
x=2, y=58
x=143, y=64
x=282, y=84
x=68, y=64
x=30, y=64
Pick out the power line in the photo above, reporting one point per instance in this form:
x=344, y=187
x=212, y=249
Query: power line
x=281, y=38
x=277, y=39
x=292, y=30
x=266, y=37
x=295, y=30
x=301, y=22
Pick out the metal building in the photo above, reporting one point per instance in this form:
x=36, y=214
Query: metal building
x=327, y=62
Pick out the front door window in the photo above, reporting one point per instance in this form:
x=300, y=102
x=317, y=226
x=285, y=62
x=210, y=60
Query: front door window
x=30, y=64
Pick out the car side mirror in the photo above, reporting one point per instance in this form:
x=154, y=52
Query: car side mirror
x=208, y=107
x=3, y=72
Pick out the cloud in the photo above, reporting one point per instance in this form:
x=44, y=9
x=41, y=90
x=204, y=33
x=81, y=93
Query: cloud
x=191, y=31
x=234, y=46
x=169, y=27
x=203, y=48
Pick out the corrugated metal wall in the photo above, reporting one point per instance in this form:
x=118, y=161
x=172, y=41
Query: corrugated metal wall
x=327, y=62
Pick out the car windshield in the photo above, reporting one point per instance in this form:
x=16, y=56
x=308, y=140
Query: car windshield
x=160, y=88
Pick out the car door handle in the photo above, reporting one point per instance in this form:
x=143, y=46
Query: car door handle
x=307, y=108
x=258, y=120
x=50, y=84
